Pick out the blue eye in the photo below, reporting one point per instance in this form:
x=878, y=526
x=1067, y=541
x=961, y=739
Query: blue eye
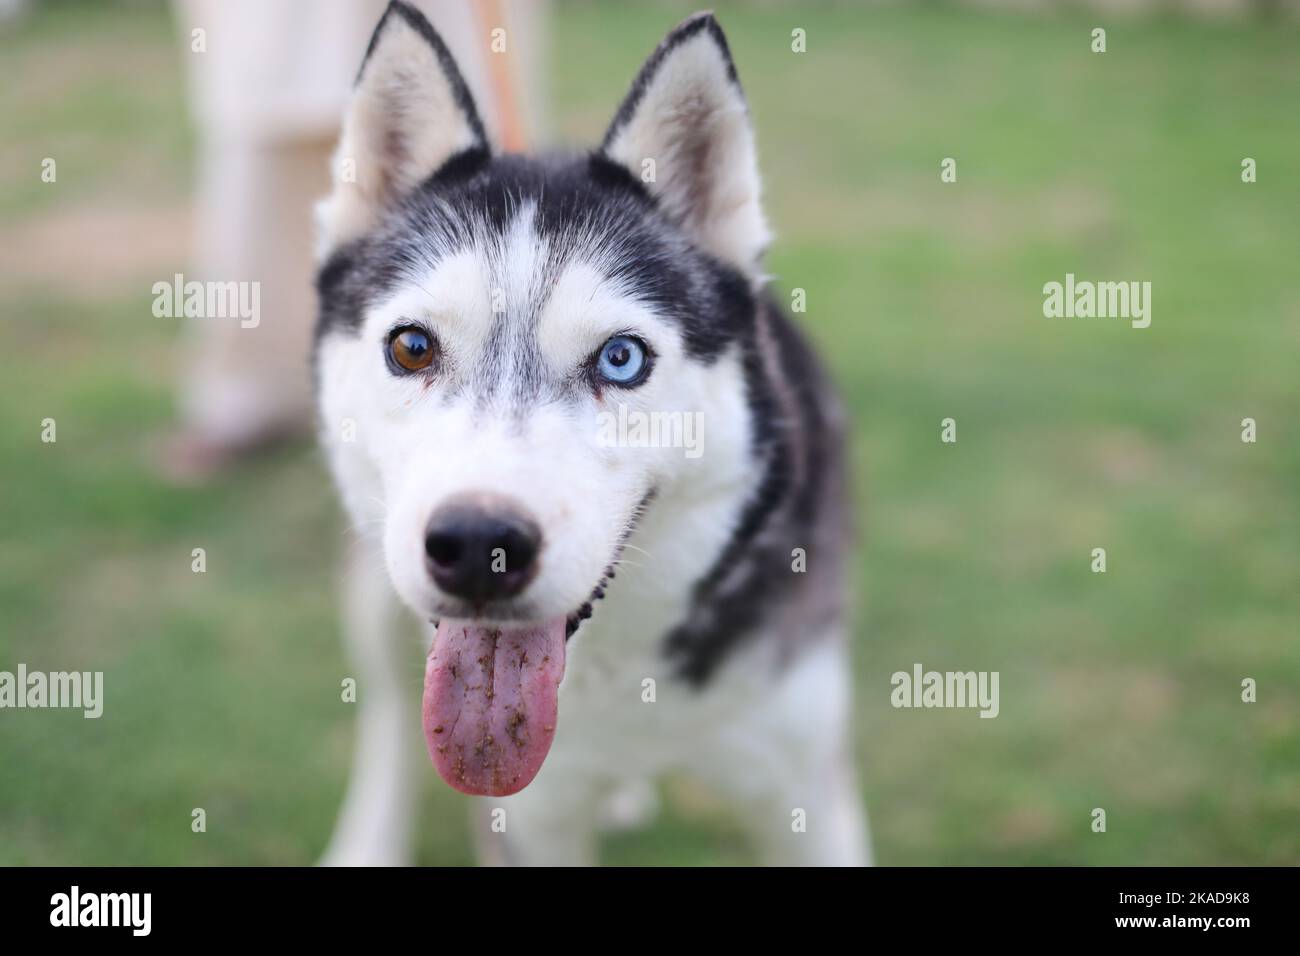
x=623, y=361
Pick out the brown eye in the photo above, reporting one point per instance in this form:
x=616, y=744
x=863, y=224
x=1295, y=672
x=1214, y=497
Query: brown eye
x=411, y=349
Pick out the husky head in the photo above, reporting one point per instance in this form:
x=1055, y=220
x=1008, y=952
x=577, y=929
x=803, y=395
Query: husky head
x=514, y=356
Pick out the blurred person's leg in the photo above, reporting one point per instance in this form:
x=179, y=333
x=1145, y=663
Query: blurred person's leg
x=268, y=96
x=243, y=385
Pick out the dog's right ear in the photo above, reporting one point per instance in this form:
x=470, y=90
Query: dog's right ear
x=410, y=112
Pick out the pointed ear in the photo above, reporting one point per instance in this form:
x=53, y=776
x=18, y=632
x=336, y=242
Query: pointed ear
x=410, y=112
x=684, y=131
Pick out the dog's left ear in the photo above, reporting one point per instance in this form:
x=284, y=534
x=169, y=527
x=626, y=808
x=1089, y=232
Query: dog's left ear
x=409, y=114
x=684, y=131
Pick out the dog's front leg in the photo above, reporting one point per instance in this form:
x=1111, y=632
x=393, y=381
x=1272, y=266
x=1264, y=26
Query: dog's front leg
x=812, y=818
x=551, y=822
x=798, y=812
x=786, y=768
x=374, y=826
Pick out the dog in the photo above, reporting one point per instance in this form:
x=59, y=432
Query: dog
x=605, y=607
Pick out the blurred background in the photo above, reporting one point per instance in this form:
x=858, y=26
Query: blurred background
x=1119, y=690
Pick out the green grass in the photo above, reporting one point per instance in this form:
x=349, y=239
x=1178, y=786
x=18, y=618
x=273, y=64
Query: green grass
x=1118, y=691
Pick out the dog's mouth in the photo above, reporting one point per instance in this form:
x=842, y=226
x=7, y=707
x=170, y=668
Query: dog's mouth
x=491, y=694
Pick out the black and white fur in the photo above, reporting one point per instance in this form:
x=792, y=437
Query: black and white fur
x=674, y=569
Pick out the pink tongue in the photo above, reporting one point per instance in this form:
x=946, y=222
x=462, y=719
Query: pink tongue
x=490, y=703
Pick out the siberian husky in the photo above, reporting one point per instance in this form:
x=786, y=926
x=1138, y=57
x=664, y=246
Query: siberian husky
x=501, y=341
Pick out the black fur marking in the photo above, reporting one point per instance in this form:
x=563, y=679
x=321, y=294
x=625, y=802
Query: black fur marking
x=464, y=165
x=583, y=204
x=680, y=34
x=416, y=20
x=795, y=505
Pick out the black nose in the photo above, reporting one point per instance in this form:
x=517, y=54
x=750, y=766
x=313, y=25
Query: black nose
x=481, y=549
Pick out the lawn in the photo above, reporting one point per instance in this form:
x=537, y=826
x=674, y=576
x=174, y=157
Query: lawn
x=1120, y=690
